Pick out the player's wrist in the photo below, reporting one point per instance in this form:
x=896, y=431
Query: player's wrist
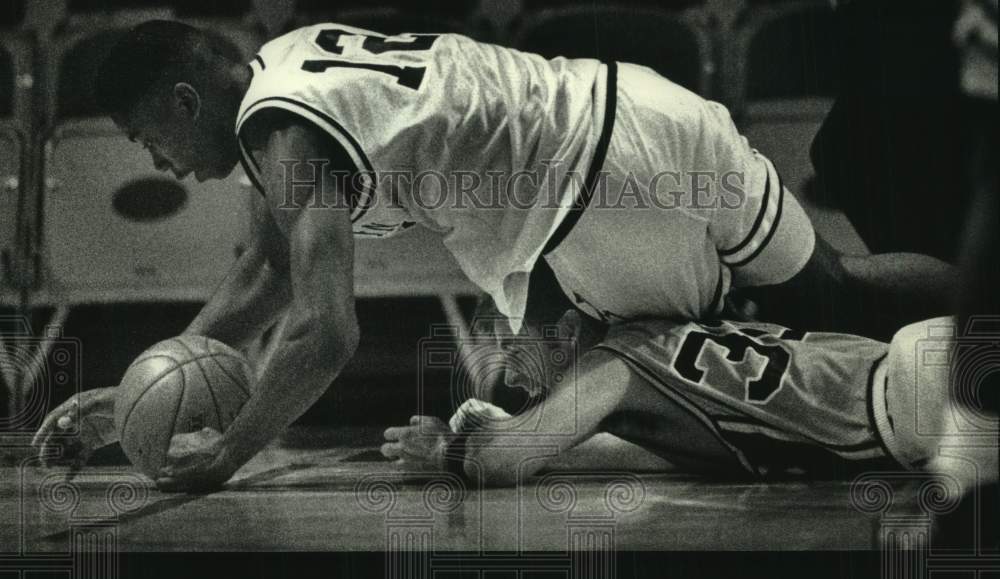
x=235, y=451
x=453, y=455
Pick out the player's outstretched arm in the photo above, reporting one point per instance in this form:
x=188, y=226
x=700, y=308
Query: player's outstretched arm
x=503, y=450
x=255, y=291
x=321, y=331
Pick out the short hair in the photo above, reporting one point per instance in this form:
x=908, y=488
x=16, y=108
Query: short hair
x=154, y=51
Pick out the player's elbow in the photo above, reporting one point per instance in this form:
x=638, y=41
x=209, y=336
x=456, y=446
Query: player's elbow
x=328, y=342
x=341, y=339
x=348, y=339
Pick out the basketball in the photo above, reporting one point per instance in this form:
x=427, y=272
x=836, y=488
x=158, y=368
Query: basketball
x=180, y=385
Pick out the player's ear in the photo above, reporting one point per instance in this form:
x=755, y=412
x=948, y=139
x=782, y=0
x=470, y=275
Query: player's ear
x=187, y=99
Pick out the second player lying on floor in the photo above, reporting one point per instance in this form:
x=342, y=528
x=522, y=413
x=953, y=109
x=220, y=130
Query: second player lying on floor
x=725, y=398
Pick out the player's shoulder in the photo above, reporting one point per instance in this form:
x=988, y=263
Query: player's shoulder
x=304, y=39
x=270, y=125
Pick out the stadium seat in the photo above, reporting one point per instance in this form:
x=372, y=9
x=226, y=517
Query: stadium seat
x=530, y=5
x=781, y=51
x=453, y=9
x=783, y=130
x=17, y=78
x=12, y=175
x=11, y=14
x=181, y=8
x=782, y=71
x=676, y=44
x=79, y=48
x=395, y=20
x=115, y=230
x=776, y=90
x=16, y=90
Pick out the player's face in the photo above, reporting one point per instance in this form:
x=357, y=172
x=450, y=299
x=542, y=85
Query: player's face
x=541, y=358
x=179, y=137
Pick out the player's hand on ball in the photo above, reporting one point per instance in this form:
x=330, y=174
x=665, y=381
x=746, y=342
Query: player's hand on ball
x=420, y=446
x=76, y=428
x=195, y=463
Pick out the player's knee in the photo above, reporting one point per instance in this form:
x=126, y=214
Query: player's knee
x=927, y=425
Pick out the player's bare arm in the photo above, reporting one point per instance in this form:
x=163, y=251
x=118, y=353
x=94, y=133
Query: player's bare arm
x=256, y=290
x=321, y=333
x=246, y=303
x=502, y=450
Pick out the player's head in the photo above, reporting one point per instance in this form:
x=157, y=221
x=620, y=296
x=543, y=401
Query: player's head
x=171, y=87
x=548, y=348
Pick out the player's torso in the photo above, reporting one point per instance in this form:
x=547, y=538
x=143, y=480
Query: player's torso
x=447, y=132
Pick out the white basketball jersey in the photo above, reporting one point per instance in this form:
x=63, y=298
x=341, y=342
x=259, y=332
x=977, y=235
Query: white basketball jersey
x=469, y=139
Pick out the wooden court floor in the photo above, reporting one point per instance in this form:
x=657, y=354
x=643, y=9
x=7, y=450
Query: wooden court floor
x=346, y=498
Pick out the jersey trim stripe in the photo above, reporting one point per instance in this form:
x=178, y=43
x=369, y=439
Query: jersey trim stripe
x=246, y=154
x=771, y=232
x=253, y=176
x=756, y=224
x=745, y=424
x=335, y=130
x=768, y=219
x=600, y=155
x=878, y=413
x=715, y=308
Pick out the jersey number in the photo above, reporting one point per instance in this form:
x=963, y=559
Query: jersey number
x=409, y=76
x=759, y=390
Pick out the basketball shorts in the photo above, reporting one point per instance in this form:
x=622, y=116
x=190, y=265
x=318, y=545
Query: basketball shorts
x=783, y=401
x=683, y=209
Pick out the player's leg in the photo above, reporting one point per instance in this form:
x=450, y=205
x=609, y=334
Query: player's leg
x=870, y=295
x=660, y=425
x=777, y=400
x=929, y=422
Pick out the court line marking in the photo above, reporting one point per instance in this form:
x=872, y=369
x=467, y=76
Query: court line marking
x=168, y=504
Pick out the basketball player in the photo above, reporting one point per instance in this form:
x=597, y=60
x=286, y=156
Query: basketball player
x=641, y=197
x=721, y=398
